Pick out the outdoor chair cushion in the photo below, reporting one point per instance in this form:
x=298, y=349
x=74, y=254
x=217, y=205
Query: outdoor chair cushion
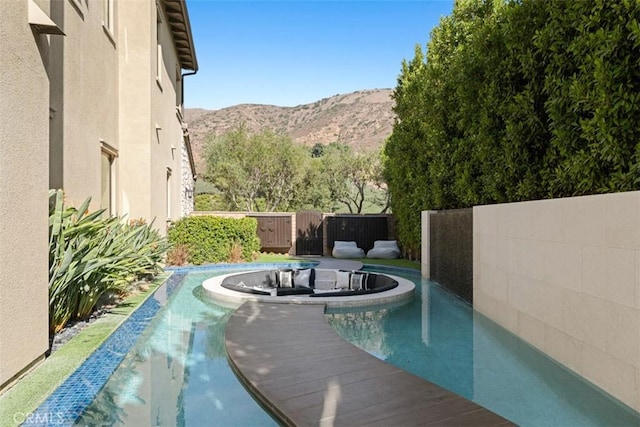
x=342, y=279
x=387, y=249
x=285, y=278
x=343, y=249
x=304, y=277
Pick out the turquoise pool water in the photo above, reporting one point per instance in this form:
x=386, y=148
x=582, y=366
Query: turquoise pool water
x=177, y=373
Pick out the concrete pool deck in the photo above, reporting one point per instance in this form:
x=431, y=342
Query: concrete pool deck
x=299, y=368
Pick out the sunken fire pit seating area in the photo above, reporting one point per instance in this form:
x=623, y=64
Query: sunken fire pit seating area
x=309, y=281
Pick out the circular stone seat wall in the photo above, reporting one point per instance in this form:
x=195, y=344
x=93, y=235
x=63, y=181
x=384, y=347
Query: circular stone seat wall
x=261, y=285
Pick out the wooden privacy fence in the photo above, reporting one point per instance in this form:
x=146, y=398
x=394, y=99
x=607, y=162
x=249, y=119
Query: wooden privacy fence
x=309, y=233
x=313, y=232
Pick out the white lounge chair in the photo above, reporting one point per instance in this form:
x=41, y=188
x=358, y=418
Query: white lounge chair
x=387, y=249
x=342, y=249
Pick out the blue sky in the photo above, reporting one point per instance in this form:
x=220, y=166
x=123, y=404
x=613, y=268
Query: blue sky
x=292, y=52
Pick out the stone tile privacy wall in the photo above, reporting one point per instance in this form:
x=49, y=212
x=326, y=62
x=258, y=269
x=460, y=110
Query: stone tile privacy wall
x=450, y=243
x=564, y=275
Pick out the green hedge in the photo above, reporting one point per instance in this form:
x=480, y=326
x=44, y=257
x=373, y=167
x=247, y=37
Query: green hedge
x=514, y=101
x=212, y=239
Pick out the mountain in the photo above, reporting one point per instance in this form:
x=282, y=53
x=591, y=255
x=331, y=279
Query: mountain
x=362, y=119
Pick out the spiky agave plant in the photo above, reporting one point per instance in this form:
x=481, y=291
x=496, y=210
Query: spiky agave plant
x=90, y=256
x=73, y=234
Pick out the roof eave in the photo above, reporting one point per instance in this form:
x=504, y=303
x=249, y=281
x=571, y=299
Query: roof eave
x=178, y=20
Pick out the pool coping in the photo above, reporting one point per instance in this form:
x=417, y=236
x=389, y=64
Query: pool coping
x=64, y=405
x=228, y=297
x=67, y=402
x=20, y=401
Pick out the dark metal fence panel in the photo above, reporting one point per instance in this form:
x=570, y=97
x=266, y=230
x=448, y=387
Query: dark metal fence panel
x=451, y=249
x=309, y=233
x=363, y=229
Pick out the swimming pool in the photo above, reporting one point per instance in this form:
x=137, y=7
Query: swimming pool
x=177, y=373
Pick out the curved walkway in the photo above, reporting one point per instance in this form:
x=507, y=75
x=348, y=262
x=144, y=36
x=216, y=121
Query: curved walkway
x=307, y=375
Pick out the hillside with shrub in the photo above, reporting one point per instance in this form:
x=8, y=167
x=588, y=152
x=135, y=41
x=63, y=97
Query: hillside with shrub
x=362, y=120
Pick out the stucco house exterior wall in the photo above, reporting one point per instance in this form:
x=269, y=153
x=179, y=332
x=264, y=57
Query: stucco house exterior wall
x=116, y=99
x=24, y=147
x=151, y=126
x=165, y=158
x=135, y=106
x=86, y=107
x=84, y=92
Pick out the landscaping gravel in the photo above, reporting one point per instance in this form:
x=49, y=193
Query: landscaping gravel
x=73, y=329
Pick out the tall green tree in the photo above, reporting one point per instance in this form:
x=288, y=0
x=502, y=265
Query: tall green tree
x=268, y=172
x=348, y=175
x=516, y=100
x=316, y=194
x=592, y=83
x=256, y=172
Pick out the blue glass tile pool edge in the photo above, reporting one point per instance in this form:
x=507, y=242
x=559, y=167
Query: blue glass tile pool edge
x=69, y=400
x=65, y=405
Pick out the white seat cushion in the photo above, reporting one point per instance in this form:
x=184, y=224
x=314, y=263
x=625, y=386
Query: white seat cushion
x=347, y=249
x=342, y=279
x=285, y=279
x=387, y=249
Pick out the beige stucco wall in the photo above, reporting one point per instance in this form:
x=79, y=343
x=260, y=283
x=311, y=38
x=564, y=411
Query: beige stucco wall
x=167, y=154
x=564, y=275
x=84, y=96
x=150, y=129
x=62, y=98
x=24, y=140
x=135, y=127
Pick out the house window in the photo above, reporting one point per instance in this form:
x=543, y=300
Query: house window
x=178, y=87
x=168, y=192
x=159, y=70
x=108, y=178
x=108, y=16
x=159, y=58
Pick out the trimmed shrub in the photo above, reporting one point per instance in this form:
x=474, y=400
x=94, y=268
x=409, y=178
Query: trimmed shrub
x=210, y=202
x=514, y=101
x=210, y=239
